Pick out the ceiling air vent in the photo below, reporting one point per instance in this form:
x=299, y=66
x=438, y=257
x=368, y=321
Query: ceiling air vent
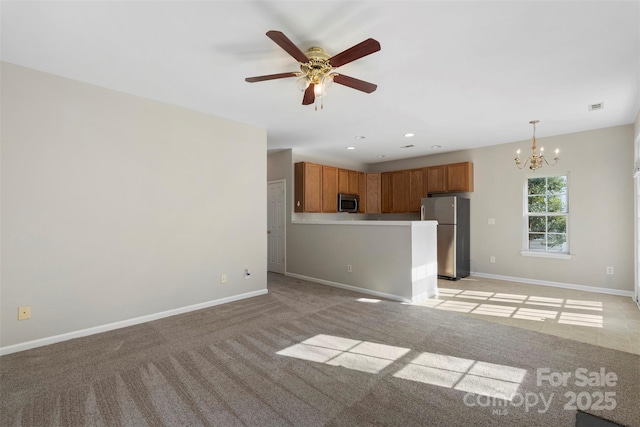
x=595, y=107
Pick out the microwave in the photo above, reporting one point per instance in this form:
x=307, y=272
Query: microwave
x=348, y=202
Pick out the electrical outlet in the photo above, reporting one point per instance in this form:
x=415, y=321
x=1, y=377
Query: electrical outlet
x=349, y=269
x=492, y=259
x=223, y=279
x=491, y=221
x=609, y=270
x=24, y=313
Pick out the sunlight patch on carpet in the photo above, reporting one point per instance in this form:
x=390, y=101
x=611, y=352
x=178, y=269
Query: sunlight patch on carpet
x=370, y=300
x=472, y=376
x=590, y=320
x=487, y=379
x=517, y=306
x=361, y=356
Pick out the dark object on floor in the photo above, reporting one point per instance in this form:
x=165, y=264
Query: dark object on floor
x=587, y=420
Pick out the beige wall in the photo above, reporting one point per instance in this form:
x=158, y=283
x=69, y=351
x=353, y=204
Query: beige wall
x=116, y=207
x=599, y=164
x=390, y=259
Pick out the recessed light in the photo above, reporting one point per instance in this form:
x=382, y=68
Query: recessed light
x=409, y=135
x=436, y=146
x=351, y=148
x=381, y=156
x=407, y=146
x=360, y=137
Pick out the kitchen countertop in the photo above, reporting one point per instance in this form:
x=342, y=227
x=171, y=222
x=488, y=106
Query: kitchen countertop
x=362, y=222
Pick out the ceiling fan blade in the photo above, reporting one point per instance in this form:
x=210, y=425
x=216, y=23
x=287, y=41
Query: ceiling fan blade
x=286, y=44
x=309, y=95
x=355, y=83
x=364, y=48
x=270, y=77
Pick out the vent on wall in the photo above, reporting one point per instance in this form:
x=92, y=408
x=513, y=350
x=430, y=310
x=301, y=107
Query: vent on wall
x=598, y=106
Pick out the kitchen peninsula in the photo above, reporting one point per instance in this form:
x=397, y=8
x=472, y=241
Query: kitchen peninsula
x=389, y=259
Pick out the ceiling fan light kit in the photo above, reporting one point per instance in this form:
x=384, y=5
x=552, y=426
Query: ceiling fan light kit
x=317, y=68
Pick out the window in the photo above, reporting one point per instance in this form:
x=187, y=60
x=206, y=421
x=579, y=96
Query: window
x=546, y=215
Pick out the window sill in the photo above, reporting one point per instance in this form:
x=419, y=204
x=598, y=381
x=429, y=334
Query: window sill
x=546, y=255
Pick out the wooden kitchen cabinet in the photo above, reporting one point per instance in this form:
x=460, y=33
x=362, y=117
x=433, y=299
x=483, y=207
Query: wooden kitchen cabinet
x=437, y=179
x=402, y=190
x=451, y=178
x=343, y=181
x=348, y=181
x=329, y=189
x=399, y=191
x=354, y=182
x=417, y=188
x=372, y=193
x=460, y=177
x=362, y=192
x=394, y=191
x=307, y=187
x=385, y=192
x=317, y=186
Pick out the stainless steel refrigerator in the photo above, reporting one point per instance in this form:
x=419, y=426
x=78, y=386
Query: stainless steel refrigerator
x=452, y=214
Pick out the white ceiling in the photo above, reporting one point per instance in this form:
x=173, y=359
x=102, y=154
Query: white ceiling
x=457, y=74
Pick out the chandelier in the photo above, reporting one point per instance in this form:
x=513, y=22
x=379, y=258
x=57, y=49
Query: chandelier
x=535, y=160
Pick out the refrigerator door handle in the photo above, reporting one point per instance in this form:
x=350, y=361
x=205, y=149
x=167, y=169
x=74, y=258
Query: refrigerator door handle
x=421, y=212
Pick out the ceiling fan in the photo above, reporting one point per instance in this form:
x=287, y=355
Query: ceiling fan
x=317, y=67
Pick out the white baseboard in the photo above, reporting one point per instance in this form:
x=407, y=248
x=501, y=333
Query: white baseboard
x=556, y=284
x=349, y=287
x=124, y=323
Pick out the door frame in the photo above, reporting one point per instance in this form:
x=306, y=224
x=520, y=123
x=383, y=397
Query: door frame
x=636, y=196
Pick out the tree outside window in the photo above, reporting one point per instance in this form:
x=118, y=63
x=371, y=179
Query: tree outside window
x=547, y=214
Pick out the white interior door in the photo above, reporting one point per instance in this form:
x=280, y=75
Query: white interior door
x=275, y=226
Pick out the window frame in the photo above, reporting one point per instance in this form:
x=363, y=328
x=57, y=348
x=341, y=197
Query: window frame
x=526, y=215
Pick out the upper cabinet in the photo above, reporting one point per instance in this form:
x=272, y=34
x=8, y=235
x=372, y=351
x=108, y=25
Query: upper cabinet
x=348, y=181
x=460, y=177
x=307, y=187
x=317, y=186
x=402, y=190
x=451, y=178
x=329, y=189
x=372, y=193
x=417, y=188
x=437, y=179
x=362, y=192
x=399, y=191
x=385, y=192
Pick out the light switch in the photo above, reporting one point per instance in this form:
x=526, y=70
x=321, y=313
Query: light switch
x=492, y=221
